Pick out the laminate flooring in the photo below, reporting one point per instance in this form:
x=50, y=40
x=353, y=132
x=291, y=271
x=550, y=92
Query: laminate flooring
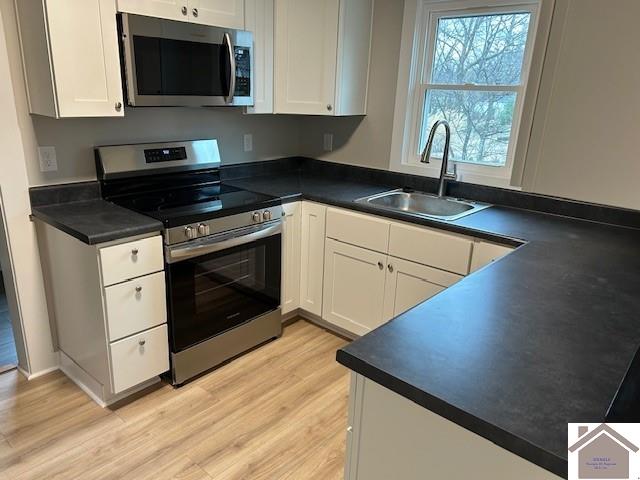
x=278, y=412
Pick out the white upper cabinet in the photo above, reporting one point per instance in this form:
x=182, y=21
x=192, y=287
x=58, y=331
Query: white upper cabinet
x=219, y=13
x=322, y=56
x=71, y=58
x=169, y=9
x=259, y=20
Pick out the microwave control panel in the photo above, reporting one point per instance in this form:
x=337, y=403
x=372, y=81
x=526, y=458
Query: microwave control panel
x=243, y=71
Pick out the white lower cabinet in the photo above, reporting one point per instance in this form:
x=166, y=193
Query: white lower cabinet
x=409, y=283
x=291, y=243
x=312, y=256
x=357, y=271
x=354, y=285
x=139, y=357
x=108, y=306
x=485, y=252
x=392, y=437
x=135, y=305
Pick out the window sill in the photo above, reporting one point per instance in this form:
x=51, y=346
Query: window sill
x=465, y=176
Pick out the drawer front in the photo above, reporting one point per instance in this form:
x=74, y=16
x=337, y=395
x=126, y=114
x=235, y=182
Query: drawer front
x=484, y=253
x=430, y=247
x=135, y=305
x=139, y=358
x=360, y=230
x=131, y=260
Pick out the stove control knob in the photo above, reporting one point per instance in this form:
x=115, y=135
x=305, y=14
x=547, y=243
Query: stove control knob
x=266, y=215
x=203, y=229
x=190, y=233
x=257, y=217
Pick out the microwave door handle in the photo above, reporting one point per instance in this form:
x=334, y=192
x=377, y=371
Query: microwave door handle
x=177, y=254
x=232, y=64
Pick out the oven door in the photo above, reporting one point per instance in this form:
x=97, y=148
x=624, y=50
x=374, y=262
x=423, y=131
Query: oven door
x=223, y=281
x=169, y=63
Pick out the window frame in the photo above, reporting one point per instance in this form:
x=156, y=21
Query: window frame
x=419, y=37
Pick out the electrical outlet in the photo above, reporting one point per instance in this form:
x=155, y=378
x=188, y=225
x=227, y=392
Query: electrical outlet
x=248, y=142
x=327, y=142
x=47, y=157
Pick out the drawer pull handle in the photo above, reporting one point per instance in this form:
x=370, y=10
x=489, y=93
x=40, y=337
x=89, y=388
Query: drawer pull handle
x=380, y=265
x=142, y=342
x=138, y=289
x=135, y=252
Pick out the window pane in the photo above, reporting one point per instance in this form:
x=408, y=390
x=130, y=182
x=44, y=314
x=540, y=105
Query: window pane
x=485, y=50
x=480, y=124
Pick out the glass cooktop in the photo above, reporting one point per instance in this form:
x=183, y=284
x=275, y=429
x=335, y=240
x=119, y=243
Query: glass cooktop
x=186, y=205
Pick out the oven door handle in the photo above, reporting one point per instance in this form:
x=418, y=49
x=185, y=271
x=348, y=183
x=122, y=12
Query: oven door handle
x=232, y=65
x=185, y=252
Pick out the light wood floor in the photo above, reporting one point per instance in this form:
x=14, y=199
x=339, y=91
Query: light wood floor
x=278, y=412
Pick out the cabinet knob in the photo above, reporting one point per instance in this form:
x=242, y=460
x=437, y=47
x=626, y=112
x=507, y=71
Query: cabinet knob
x=350, y=429
x=142, y=342
x=135, y=252
x=138, y=289
x=118, y=106
x=329, y=107
x=184, y=10
x=195, y=12
x=390, y=267
x=380, y=265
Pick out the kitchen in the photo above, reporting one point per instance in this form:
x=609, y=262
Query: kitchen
x=300, y=177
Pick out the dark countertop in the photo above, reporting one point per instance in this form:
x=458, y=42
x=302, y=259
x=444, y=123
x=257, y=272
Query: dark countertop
x=515, y=351
x=95, y=220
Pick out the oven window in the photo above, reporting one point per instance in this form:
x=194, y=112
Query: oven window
x=179, y=67
x=214, y=293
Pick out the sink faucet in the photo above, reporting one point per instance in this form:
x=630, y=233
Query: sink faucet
x=426, y=153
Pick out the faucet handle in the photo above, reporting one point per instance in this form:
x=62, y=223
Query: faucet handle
x=454, y=174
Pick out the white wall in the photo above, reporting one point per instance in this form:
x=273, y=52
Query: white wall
x=74, y=139
x=21, y=237
x=585, y=139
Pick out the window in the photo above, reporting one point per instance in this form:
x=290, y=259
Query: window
x=470, y=68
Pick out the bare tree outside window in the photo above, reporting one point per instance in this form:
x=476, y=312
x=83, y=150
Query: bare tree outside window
x=475, y=80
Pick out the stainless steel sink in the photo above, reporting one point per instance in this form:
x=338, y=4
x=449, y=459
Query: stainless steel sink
x=423, y=204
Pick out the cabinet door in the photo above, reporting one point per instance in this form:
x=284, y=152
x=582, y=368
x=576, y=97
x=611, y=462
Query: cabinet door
x=259, y=20
x=354, y=283
x=291, y=257
x=306, y=42
x=409, y=284
x=484, y=253
x=85, y=58
x=170, y=9
x=312, y=257
x=217, y=13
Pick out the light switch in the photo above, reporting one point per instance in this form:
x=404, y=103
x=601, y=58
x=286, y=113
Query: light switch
x=47, y=157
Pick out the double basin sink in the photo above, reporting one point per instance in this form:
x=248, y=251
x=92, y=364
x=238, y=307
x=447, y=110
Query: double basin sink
x=423, y=204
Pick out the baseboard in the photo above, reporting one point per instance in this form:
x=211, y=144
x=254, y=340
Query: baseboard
x=316, y=320
x=31, y=376
x=94, y=389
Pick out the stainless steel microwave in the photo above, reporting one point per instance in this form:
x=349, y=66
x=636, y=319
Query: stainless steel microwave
x=169, y=63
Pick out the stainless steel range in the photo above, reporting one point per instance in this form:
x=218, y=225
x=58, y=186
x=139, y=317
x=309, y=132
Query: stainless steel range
x=222, y=248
